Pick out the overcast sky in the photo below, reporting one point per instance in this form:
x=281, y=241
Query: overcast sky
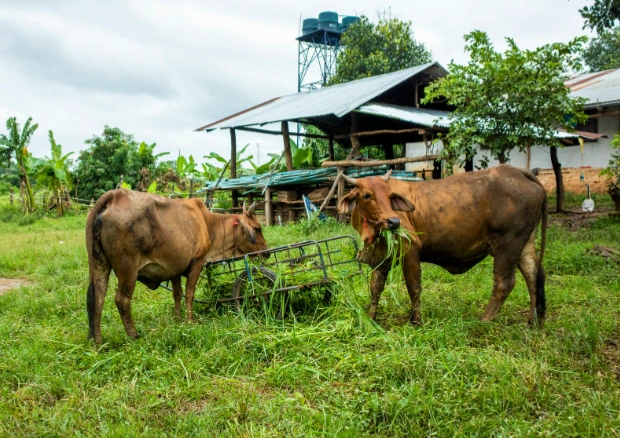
x=158, y=69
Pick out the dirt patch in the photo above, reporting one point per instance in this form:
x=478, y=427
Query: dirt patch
x=574, y=219
x=572, y=180
x=7, y=284
x=611, y=354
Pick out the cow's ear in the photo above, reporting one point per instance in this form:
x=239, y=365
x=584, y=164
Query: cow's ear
x=400, y=203
x=248, y=233
x=347, y=203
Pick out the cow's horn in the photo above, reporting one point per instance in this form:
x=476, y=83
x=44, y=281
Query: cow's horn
x=386, y=177
x=350, y=180
x=250, y=211
x=244, y=210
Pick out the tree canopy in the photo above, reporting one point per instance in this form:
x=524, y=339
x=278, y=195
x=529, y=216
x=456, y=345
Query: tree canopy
x=601, y=15
x=603, y=52
x=508, y=100
x=370, y=49
x=110, y=155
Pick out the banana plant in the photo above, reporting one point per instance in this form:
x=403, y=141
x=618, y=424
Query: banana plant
x=212, y=172
x=54, y=174
x=16, y=143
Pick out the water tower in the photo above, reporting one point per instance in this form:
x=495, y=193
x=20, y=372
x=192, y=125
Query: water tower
x=319, y=44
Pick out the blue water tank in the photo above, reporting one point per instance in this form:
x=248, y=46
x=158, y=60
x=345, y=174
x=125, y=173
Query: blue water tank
x=328, y=20
x=309, y=25
x=348, y=21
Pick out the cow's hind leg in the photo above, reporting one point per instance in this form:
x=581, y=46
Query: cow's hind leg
x=504, y=269
x=95, y=297
x=528, y=265
x=126, y=286
x=377, y=284
x=177, y=293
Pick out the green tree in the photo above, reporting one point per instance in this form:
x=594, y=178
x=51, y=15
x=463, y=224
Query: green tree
x=601, y=15
x=511, y=100
x=111, y=155
x=54, y=174
x=16, y=144
x=603, y=52
x=370, y=49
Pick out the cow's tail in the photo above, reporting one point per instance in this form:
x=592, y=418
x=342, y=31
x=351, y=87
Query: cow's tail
x=97, y=261
x=541, y=302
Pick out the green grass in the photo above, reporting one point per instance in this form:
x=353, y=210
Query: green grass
x=327, y=371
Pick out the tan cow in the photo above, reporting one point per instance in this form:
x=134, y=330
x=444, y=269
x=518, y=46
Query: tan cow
x=151, y=239
x=460, y=220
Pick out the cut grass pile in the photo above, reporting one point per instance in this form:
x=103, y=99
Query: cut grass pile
x=326, y=371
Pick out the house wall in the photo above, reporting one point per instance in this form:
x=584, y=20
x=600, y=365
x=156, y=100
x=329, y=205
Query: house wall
x=596, y=154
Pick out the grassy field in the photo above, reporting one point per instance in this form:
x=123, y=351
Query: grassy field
x=327, y=371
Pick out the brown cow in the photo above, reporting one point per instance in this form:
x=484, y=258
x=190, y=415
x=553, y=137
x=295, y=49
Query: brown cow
x=461, y=220
x=151, y=239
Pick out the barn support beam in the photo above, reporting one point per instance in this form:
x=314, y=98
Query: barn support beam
x=233, y=165
x=341, y=216
x=355, y=143
x=268, y=208
x=287, y=146
x=331, y=147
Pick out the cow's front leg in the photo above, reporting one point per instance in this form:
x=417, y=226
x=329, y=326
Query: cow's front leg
x=377, y=283
x=413, y=280
x=190, y=287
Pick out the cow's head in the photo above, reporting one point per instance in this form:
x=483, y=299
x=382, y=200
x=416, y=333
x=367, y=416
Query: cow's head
x=375, y=202
x=248, y=234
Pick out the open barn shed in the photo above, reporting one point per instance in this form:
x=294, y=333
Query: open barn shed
x=379, y=111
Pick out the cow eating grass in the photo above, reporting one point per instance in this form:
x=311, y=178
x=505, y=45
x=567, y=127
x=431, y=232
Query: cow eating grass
x=455, y=223
x=149, y=238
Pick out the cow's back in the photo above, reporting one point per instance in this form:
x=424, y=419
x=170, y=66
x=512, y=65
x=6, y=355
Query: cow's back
x=155, y=235
x=462, y=217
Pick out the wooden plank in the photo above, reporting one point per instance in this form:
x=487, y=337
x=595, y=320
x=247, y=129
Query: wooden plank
x=287, y=146
x=381, y=132
x=603, y=114
x=354, y=163
x=271, y=132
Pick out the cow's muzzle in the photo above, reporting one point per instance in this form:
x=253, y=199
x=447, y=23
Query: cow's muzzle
x=393, y=223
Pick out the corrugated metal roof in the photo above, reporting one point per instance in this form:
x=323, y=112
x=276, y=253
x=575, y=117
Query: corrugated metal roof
x=337, y=99
x=601, y=88
x=419, y=116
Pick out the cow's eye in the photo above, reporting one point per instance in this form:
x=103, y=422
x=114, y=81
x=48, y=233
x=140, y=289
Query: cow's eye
x=367, y=196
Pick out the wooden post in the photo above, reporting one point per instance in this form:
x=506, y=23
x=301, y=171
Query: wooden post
x=11, y=194
x=417, y=97
x=287, y=146
x=340, y=194
x=233, y=165
x=331, y=147
x=355, y=143
x=291, y=195
x=191, y=187
x=268, y=208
